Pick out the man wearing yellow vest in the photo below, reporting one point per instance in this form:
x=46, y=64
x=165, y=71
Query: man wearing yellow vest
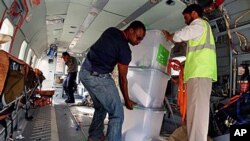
x=200, y=69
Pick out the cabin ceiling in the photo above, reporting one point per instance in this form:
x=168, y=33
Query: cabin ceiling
x=68, y=16
x=62, y=22
x=59, y=22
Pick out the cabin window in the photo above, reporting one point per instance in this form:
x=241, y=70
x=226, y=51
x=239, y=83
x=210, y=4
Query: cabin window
x=8, y=29
x=33, y=61
x=38, y=62
x=29, y=57
x=22, y=50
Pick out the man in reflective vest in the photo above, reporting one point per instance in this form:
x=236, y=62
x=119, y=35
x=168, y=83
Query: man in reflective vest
x=200, y=69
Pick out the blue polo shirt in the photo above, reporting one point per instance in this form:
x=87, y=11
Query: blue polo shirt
x=111, y=48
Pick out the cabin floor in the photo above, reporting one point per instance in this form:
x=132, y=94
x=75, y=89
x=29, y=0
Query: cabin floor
x=70, y=122
x=64, y=122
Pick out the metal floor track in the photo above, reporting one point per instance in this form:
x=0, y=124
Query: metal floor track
x=39, y=129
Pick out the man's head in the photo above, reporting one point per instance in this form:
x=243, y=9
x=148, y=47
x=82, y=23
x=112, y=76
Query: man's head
x=192, y=12
x=65, y=56
x=135, y=32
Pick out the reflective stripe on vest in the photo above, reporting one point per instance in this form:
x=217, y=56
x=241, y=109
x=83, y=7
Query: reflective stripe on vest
x=201, y=56
x=207, y=42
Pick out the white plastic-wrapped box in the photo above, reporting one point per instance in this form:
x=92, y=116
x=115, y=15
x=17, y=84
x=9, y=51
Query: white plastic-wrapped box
x=152, y=52
x=141, y=124
x=147, y=86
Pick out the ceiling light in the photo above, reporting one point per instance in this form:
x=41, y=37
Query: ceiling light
x=54, y=21
x=97, y=6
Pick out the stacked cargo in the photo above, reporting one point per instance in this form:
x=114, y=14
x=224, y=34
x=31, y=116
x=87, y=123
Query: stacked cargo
x=147, y=82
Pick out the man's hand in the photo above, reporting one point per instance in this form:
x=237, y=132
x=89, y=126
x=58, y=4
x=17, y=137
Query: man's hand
x=129, y=104
x=168, y=36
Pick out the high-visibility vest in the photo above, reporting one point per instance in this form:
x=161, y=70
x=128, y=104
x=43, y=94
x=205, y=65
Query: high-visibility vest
x=201, y=56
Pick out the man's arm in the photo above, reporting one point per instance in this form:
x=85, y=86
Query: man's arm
x=192, y=31
x=123, y=82
x=168, y=36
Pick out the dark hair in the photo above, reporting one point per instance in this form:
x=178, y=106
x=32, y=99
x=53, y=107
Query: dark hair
x=193, y=7
x=65, y=54
x=136, y=25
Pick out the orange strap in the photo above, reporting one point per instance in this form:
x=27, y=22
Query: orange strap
x=232, y=100
x=182, y=98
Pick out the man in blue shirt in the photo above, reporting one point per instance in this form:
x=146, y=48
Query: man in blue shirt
x=110, y=49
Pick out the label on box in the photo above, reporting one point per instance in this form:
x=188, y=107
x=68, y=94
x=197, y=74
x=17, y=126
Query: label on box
x=162, y=55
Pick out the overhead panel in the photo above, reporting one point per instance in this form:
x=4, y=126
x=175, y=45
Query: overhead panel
x=170, y=23
x=114, y=12
x=56, y=8
x=82, y=2
x=105, y=20
x=138, y=12
x=123, y=7
x=54, y=27
x=55, y=18
x=95, y=9
x=163, y=16
x=76, y=15
x=88, y=38
x=97, y=27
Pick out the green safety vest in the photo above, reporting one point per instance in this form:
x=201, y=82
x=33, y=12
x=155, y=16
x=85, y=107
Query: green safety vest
x=201, y=56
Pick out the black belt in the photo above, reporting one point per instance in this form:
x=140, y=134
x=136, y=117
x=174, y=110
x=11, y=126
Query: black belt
x=94, y=73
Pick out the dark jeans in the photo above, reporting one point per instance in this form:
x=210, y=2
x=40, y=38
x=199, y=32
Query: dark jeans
x=68, y=85
x=106, y=99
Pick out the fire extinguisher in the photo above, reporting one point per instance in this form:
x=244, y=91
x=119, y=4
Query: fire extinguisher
x=244, y=80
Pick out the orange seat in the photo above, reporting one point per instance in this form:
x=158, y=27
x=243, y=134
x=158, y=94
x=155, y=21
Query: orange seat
x=45, y=97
